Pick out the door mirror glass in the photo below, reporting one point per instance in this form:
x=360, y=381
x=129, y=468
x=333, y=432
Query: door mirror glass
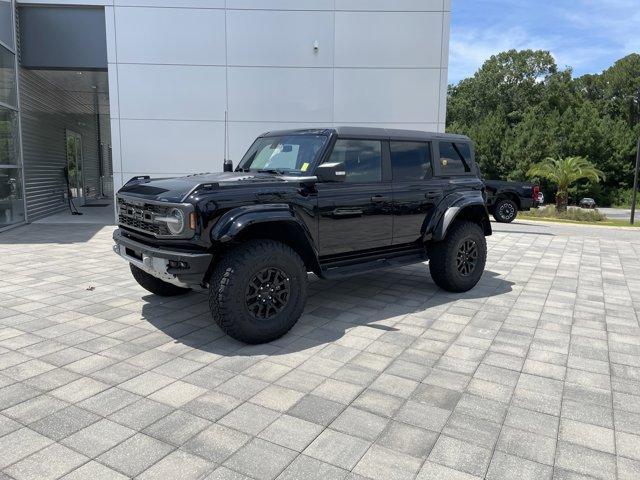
x=331, y=172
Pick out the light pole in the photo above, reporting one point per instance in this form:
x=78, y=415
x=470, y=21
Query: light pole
x=635, y=185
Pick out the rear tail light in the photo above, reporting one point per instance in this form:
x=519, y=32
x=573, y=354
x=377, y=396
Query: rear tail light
x=536, y=192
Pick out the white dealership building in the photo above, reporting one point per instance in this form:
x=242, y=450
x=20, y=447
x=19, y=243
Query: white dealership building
x=110, y=89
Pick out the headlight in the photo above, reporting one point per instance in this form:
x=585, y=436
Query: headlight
x=174, y=221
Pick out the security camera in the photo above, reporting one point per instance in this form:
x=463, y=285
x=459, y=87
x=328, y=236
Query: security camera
x=316, y=46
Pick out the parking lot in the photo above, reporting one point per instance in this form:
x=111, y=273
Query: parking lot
x=534, y=374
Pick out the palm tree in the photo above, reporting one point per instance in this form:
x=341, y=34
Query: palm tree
x=564, y=172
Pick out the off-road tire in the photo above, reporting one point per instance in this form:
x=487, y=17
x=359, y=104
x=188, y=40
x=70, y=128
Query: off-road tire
x=443, y=257
x=505, y=210
x=229, y=283
x=155, y=285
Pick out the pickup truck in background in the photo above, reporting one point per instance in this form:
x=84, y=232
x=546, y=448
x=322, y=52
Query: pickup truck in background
x=505, y=199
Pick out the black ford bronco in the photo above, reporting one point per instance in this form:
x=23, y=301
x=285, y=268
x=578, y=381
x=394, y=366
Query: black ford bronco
x=335, y=202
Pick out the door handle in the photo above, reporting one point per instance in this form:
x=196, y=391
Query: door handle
x=432, y=195
x=379, y=198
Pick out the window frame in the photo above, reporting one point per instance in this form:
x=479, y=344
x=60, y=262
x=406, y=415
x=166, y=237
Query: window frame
x=385, y=157
x=431, y=159
x=19, y=165
x=12, y=22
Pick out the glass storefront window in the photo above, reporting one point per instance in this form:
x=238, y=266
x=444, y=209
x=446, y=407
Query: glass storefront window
x=6, y=23
x=9, y=146
x=11, y=200
x=7, y=77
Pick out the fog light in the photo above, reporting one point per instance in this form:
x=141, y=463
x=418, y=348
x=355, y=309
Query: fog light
x=178, y=264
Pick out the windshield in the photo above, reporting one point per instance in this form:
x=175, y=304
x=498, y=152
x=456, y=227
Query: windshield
x=290, y=154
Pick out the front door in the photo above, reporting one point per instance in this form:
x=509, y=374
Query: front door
x=356, y=214
x=75, y=172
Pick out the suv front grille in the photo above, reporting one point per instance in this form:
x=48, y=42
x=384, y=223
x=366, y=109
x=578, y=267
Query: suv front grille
x=140, y=217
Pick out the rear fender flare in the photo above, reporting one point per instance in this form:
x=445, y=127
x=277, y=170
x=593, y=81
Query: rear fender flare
x=456, y=206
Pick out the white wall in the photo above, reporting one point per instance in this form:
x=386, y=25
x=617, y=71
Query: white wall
x=176, y=65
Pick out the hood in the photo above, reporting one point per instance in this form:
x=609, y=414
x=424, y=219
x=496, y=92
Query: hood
x=177, y=189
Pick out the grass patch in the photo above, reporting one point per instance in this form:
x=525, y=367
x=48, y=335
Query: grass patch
x=574, y=215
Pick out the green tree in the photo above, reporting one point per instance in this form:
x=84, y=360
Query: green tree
x=519, y=109
x=564, y=172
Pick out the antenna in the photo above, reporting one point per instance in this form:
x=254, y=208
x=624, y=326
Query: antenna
x=227, y=164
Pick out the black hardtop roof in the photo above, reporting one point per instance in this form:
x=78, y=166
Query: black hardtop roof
x=369, y=132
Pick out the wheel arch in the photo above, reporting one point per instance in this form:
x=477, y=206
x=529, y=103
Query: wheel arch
x=466, y=208
x=269, y=222
x=509, y=195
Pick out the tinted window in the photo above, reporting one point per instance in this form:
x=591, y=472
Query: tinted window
x=411, y=161
x=451, y=161
x=7, y=77
x=6, y=22
x=362, y=159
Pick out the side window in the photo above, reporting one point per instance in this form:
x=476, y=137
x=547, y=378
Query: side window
x=465, y=151
x=411, y=161
x=451, y=161
x=362, y=159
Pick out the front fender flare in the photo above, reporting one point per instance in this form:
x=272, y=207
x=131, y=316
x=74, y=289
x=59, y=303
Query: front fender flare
x=232, y=223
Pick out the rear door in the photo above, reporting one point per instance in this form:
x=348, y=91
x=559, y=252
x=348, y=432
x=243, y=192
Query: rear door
x=415, y=191
x=356, y=214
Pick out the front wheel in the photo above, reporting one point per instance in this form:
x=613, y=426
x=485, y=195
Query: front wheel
x=457, y=262
x=257, y=291
x=505, y=211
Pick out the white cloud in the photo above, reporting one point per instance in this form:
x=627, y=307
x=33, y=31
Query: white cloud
x=587, y=35
x=471, y=47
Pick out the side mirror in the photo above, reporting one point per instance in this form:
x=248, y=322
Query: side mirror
x=228, y=166
x=331, y=172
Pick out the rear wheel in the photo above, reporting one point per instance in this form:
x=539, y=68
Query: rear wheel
x=505, y=210
x=155, y=285
x=258, y=291
x=457, y=262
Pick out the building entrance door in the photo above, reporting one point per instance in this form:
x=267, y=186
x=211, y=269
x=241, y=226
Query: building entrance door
x=75, y=167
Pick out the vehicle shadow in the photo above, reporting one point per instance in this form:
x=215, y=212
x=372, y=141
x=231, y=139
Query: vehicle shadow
x=380, y=301
x=61, y=234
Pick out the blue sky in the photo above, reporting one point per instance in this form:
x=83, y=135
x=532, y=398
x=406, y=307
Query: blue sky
x=588, y=35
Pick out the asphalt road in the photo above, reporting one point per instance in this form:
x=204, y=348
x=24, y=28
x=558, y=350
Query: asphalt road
x=617, y=213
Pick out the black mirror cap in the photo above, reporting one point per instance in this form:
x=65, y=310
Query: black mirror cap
x=228, y=166
x=331, y=172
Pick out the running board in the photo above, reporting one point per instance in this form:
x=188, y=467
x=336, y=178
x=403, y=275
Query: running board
x=333, y=272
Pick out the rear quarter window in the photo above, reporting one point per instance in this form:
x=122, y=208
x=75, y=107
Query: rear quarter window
x=455, y=158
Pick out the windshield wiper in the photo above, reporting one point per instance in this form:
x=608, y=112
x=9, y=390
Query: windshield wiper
x=272, y=170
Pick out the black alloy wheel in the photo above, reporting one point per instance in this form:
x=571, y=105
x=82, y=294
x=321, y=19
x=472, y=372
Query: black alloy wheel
x=507, y=210
x=268, y=293
x=467, y=257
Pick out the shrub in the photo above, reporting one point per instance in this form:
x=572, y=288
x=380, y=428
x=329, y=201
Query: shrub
x=572, y=213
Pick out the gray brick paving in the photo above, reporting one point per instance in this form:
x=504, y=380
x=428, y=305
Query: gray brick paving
x=534, y=374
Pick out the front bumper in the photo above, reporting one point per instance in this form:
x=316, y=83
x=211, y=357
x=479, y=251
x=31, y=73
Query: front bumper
x=178, y=268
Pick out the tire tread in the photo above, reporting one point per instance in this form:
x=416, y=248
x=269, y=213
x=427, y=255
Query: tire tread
x=443, y=256
x=223, y=283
